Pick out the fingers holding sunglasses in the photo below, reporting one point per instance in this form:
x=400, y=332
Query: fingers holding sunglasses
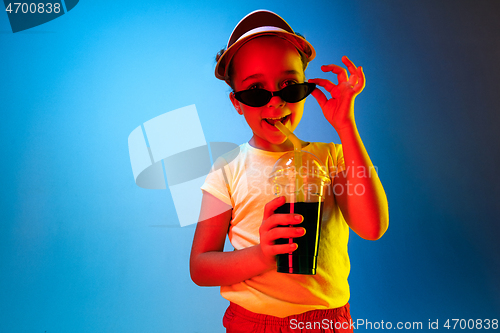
x=340, y=71
x=328, y=85
x=320, y=97
x=355, y=79
x=339, y=109
x=327, y=105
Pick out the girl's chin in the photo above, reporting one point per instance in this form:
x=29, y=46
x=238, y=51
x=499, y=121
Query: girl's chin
x=276, y=139
x=267, y=138
x=273, y=134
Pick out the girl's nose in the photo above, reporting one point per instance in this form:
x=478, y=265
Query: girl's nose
x=276, y=102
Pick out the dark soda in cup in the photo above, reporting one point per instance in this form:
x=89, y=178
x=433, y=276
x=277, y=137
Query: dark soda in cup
x=304, y=196
x=304, y=259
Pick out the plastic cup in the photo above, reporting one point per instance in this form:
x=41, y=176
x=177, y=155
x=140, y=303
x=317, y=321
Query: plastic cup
x=304, y=192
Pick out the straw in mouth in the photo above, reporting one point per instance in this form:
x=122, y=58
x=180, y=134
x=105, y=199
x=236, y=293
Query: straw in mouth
x=289, y=134
x=273, y=121
x=297, y=159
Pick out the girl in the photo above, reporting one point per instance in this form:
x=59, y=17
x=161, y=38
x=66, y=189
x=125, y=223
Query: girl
x=264, y=64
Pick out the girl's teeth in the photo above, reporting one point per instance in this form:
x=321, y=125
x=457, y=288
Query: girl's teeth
x=273, y=121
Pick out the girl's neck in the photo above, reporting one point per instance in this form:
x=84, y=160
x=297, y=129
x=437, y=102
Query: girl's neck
x=258, y=143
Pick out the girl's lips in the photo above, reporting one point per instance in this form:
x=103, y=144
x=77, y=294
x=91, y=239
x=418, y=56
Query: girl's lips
x=275, y=120
x=270, y=123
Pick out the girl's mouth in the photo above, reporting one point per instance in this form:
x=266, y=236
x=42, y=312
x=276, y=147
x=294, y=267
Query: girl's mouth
x=272, y=121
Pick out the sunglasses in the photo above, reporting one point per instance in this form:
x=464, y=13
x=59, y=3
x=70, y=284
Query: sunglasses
x=259, y=97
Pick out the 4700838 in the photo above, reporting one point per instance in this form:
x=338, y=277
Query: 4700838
x=470, y=324
x=33, y=7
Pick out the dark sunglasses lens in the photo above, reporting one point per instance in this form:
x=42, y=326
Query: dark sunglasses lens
x=296, y=92
x=255, y=97
x=260, y=97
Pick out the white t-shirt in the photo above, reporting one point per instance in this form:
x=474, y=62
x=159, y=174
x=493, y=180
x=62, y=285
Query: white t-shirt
x=240, y=179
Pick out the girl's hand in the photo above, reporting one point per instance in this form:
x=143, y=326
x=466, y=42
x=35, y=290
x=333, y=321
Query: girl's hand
x=339, y=110
x=269, y=231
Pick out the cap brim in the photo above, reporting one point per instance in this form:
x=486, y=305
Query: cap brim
x=255, y=24
x=300, y=43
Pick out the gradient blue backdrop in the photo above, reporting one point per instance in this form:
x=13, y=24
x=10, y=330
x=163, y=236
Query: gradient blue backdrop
x=84, y=249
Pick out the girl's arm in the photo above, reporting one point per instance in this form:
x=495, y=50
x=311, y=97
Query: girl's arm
x=360, y=195
x=362, y=200
x=210, y=266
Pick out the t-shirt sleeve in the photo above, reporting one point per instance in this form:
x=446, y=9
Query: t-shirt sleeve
x=337, y=154
x=217, y=183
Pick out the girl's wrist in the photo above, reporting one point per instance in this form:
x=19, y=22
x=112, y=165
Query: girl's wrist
x=268, y=263
x=345, y=128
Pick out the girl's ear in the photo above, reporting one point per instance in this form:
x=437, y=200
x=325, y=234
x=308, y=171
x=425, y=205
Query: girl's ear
x=235, y=102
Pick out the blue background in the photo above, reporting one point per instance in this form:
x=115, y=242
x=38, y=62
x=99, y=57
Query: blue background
x=84, y=249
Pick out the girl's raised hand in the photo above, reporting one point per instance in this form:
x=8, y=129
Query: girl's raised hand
x=339, y=110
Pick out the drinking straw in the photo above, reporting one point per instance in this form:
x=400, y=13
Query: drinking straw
x=297, y=158
x=298, y=179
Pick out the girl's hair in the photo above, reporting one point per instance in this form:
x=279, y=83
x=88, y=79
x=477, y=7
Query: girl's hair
x=230, y=82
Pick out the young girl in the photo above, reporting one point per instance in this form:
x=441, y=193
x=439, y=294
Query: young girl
x=264, y=64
